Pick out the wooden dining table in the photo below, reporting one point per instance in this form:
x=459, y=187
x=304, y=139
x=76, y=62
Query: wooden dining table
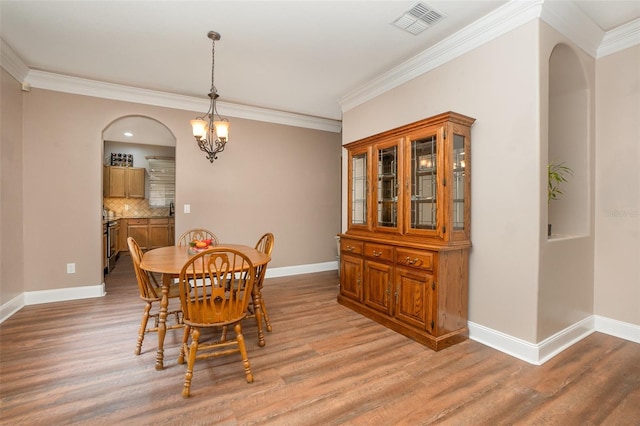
x=169, y=261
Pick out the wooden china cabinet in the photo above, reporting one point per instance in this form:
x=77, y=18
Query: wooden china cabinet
x=404, y=258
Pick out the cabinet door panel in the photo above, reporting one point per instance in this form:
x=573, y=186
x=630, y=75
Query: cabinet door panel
x=351, y=277
x=140, y=233
x=117, y=182
x=136, y=182
x=377, y=286
x=358, y=175
x=425, y=178
x=415, y=301
x=387, y=169
x=158, y=235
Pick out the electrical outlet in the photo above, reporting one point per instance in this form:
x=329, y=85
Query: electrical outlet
x=187, y=208
x=71, y=268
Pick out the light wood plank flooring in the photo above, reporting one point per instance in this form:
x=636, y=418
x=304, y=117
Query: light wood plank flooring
x=73, y=363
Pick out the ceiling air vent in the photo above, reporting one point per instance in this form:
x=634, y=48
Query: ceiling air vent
x=418, y=18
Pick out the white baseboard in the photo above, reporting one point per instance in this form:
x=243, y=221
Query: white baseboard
x=286, y=271
x=86, y=292
x=11, y=307
x=63, y=294
x=533, y=353
x=539, y=353
x=616, y=328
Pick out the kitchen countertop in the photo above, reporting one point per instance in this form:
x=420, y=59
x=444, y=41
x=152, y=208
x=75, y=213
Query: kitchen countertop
x=135, y=217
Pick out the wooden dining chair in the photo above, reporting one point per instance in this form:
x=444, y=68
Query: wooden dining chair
x=199, y=234
x=151, y=293
x=264, y=245
x=223, y=304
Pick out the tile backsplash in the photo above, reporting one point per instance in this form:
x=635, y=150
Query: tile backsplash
x=133, y=207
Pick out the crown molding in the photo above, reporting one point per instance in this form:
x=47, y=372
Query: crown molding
x=566, y=18
x=81, y=86
x=12, y=63
x=620, y=38
x=504, y=19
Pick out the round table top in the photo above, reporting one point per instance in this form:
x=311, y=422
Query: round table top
x=171, y=259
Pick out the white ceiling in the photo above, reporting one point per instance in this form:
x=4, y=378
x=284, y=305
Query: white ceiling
x=293, y=56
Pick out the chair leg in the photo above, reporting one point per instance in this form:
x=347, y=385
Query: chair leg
x=243, y=352
x=143, y=327
x=265, y=315
x=195, y=336
x=184, y=350
x=223, y=334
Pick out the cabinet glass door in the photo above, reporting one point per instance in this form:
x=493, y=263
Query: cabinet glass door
x=387, y=190
x=359, y=189
x=458, y=182
x=424, y=199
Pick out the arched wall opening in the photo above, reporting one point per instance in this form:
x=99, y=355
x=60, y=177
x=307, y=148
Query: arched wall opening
x=569, y=142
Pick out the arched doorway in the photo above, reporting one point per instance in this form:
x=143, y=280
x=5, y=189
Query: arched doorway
x=134, y=186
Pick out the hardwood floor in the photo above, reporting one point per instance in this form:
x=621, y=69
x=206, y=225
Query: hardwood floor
x=73, y=363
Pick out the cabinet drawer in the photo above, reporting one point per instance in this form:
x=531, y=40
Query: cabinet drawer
x=415, y=258
x=137, y=221
x=351, y=246
x=159, y=221
x=379, y=251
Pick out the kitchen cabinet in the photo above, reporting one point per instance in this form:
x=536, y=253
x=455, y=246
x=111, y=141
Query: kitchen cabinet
x=151, y=233
x=158, y=232
x=138, y=229
x=405, y=254
x=123, y=182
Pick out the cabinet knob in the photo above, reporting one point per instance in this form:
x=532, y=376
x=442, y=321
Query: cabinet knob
x=349, y=248
x=377, y=253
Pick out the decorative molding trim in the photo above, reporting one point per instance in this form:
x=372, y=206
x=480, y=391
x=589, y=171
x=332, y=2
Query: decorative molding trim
x=539, y=353
x=286, y=271
x=566, y=18
x=11, y=307
x=81, y=86
x=63, y=294
x=12, y=63
x=504, y=19
x=620, y=38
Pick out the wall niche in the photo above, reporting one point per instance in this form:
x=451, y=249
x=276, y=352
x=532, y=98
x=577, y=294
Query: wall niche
x=569, y=141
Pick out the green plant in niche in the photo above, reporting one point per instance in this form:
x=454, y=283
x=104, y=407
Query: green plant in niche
x=557, y=174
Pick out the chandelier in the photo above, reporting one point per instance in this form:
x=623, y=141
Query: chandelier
x=210, y=130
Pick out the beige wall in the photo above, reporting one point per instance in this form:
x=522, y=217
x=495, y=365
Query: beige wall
x=270, y=178
x=521, y=284
x=617, y=195
x=11, y=244
x=567, y=123
x=496, y=84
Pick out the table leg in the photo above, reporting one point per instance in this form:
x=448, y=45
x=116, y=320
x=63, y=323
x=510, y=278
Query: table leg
x=162, y=319
x=258, y=313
